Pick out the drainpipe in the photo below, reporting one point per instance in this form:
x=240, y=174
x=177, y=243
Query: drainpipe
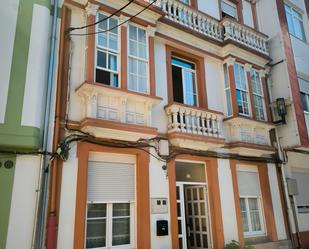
x=290, y=211
x=44, y=175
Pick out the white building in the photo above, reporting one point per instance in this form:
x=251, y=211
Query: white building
x=190, y=73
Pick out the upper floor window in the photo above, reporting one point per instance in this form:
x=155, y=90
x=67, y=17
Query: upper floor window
x=184, y=82
x=137, y=60
x=258, y=96
x=304, y=91
x=242, y=92
x=107, y=52
x=295, y=22
x=228, y=8
x=227, y=89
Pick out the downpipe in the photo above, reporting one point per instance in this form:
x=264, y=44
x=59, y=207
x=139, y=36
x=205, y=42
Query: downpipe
x=39, y=241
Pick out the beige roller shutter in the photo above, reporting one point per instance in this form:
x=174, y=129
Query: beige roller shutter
x=248, y=183
x=110, y=182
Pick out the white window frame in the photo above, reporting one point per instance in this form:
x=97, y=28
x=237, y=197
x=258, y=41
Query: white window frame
x=259, y=198
x=183, y=79
x=246, y=91
x=231, y=4
x=107, y=50
x=227, y=90
x=138, y=58
x=255, y=94
x=109, y=225
x=291, y=10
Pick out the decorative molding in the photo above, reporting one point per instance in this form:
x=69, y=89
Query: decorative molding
x=248, y=67
x=230, y=61
x=92, y=9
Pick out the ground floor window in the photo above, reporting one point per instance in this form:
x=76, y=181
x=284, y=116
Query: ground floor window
x=250, y=201
x=251, y=215
x=109, y=225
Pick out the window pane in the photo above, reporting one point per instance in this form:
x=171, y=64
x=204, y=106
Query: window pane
x=121, y=209
x=112, y=61
x=121, y=231
x=255, y=221
x=102, y=25
x=112, y=24
x=102, y=40
x=181, y=63
x=142, y=53
x=133, y=32
x=142, y=84
x=253, y=204
x=142, y=68
x=244, y=215
x=96, y=233
x=304, y=100
x=299, y=29
x=132, y=66
x=113, y=43
x=101, y=59
x=133, y=48
x=132, y=82
x=290, y=22
x=96, y=210
x=229, y=8
x=142, y=36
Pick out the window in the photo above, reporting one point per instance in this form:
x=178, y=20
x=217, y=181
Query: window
x=258, y=97
x=110, y=204
x=250, y=202
x=302, y=179
x=107, y=52
x=138, y=60
x=185, y=1
x=228, y=9
x=227, y=90
x=184, y=82
x=242, y=93
x=304, y=92
x=295, y=22
x=112, y=217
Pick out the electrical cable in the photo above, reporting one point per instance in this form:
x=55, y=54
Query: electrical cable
x=101, y=20
x=118, y=25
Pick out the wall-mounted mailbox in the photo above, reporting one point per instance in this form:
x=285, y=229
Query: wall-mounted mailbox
x=159, y=206
x=162, y=227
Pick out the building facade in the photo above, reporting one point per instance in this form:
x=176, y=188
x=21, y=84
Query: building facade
x=25, y=42
x=167, y=117
x=289, y=32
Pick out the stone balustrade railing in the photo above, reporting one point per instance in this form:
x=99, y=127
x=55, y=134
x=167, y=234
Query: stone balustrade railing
x=244, y=35
x=193, y=120
x=228, y=29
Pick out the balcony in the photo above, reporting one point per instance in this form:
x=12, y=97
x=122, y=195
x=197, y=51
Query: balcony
x=193, y=127
x=117, y=114
x=226, y=31
x=248, y=137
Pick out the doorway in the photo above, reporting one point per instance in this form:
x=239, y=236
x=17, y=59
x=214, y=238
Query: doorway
x=192, y=208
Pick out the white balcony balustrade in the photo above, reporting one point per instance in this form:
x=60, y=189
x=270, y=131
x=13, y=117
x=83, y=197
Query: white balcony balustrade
x=226, y=30
x=195, y=121
x=245, y=36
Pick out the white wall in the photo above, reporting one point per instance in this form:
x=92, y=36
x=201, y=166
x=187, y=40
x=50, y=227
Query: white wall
x=227, y=201
x=159, y=118
x=37, y=67
x=210, y=7
x=276, y=200
x=23, y=205
x=8, y=19
x=68, y=201
x=158, y=189
x=247, y=14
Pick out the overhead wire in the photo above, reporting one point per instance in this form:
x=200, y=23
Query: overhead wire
x=118, y=25
x=101, y=20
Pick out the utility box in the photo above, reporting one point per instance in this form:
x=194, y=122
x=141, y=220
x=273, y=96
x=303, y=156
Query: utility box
x=162, y=227
x=292, y=186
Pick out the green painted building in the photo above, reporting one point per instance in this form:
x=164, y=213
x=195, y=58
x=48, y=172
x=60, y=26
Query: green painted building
x=25, y=27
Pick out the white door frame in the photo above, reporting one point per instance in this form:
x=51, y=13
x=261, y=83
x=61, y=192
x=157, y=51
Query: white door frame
x=181, y=200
